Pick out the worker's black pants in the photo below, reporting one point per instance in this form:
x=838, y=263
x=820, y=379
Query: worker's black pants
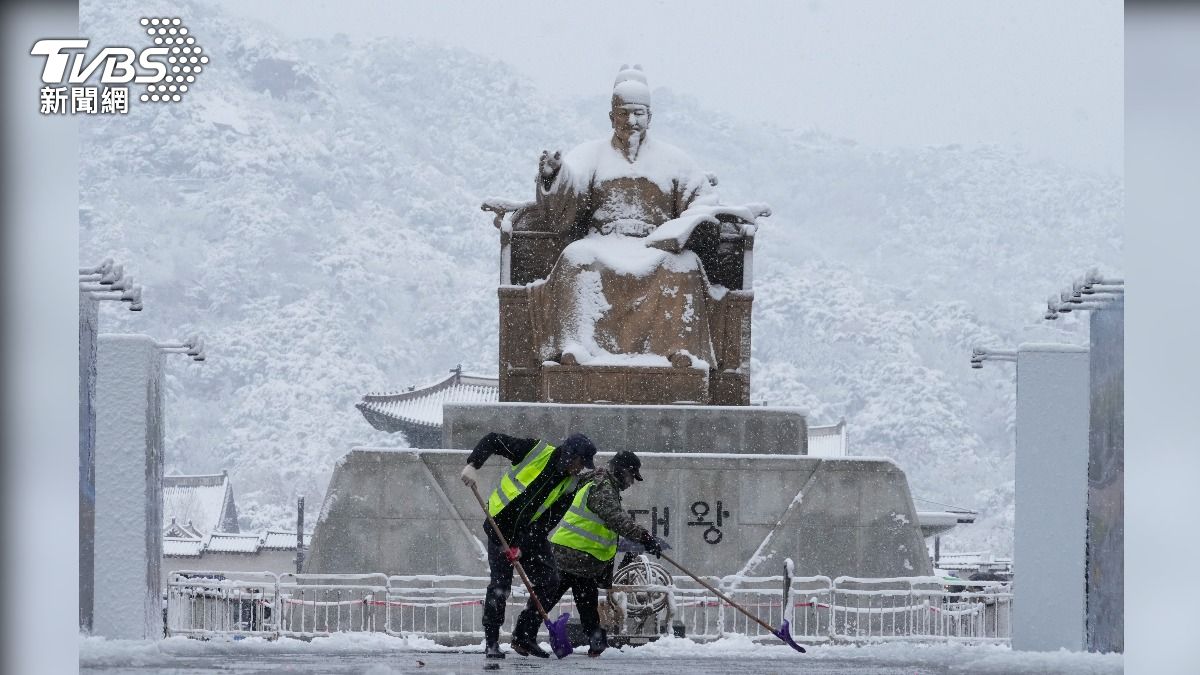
x=586, y=592
x=539, y=565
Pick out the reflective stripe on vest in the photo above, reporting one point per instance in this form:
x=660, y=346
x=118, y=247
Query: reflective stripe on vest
x=520, y=476
x=583, y=530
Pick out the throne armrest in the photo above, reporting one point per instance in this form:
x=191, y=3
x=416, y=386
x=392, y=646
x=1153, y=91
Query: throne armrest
x=722, y=235
x=738, y=227
x=528, y=251
x=503, y=207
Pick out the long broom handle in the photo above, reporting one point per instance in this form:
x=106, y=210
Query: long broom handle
x=719, y=594
x=515, y=563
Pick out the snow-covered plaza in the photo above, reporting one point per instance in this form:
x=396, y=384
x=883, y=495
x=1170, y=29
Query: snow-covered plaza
x=364, y=653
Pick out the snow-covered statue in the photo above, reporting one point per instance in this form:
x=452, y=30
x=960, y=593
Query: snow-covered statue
x=625, y=280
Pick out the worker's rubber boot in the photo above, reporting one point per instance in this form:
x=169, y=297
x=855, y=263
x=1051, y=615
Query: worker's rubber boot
x=598, y=642
x=492, y=651
x=529, y=648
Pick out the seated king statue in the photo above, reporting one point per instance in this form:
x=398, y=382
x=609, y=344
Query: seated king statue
x=650, y=254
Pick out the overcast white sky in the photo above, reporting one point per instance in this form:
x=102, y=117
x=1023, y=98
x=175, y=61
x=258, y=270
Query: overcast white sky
x=1042, y=75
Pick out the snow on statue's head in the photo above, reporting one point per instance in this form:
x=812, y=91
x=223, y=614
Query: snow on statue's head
x=630, y=114
x=630, y=87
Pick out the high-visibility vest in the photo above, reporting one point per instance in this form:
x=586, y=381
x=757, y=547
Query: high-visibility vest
x=515, y=480
x=583, y=530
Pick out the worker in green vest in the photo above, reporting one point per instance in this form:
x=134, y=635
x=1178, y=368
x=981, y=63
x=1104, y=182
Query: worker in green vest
x=531, y=498
x=585, y=545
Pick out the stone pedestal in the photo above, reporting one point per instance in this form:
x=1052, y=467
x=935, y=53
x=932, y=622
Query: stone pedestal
x=640, y=428
x=404, y=511
x=730, y=489
x=128, y=471
x=1049, y=547
x=637, y=385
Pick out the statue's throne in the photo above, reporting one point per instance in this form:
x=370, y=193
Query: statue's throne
x=528, y=252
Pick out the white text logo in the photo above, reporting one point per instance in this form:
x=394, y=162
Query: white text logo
x=167, y=69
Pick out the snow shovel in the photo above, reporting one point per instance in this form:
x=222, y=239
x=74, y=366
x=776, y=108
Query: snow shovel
x=559, y=642
x=783, y=632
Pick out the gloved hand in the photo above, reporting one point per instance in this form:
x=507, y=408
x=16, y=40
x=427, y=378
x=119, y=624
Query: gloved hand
x=651, y=544
x=470, y=477
x=513, y=553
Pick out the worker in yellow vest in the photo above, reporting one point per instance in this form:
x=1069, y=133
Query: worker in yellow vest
x=531, y=498
x=585, y=545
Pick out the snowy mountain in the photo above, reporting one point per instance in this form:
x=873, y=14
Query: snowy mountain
x=312, y=209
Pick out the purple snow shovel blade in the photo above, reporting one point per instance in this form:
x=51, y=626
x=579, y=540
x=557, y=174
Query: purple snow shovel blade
x=559, y=642
x=784, y=633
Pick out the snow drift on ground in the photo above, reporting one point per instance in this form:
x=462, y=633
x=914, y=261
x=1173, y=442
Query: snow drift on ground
x=97, y=652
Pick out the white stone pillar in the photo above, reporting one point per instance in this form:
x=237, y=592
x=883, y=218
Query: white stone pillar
x=1049, y=548
x=129, y=469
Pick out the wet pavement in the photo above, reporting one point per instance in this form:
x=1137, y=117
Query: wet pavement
x=443, y=662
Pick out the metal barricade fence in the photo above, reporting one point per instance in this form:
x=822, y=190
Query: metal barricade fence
x=208, y=603
x=449, y=609
x=706, y=617
x=314, y=605
x=920, y=608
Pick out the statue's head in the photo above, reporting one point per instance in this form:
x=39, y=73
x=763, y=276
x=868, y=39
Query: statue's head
x=630, y=114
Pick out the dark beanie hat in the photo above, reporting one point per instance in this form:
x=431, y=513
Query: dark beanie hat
x=578, y=445
x=625, y=459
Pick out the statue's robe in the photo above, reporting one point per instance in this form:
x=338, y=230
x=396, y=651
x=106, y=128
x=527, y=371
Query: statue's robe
x=610, y=299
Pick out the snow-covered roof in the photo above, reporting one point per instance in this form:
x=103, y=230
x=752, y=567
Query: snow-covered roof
x=233, y=543
x=220, y=542
x=283, y=541
x=203, y=502
x=177, y=547
x=421, y=407
x=974, y=560
x=934, y=523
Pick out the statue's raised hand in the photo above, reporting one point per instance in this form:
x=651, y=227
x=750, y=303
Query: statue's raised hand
x=549, y=165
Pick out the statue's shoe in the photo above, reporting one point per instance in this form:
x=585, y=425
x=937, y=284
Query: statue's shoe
x=681, y=360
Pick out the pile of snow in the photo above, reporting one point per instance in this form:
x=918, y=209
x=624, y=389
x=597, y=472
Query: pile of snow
x=98, y=652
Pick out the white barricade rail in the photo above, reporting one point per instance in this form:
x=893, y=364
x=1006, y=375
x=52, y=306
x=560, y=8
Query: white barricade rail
x=210, y=603
x=449, y=609
x=313, y=605
x=920, y=608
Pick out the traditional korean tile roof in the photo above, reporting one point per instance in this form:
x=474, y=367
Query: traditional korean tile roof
x=421, y=407
x=202, y=504
x=934, y=523
x=233, y=543
x=277, y=540
x=177, y=547
x=218, y=542
x=974, y=561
